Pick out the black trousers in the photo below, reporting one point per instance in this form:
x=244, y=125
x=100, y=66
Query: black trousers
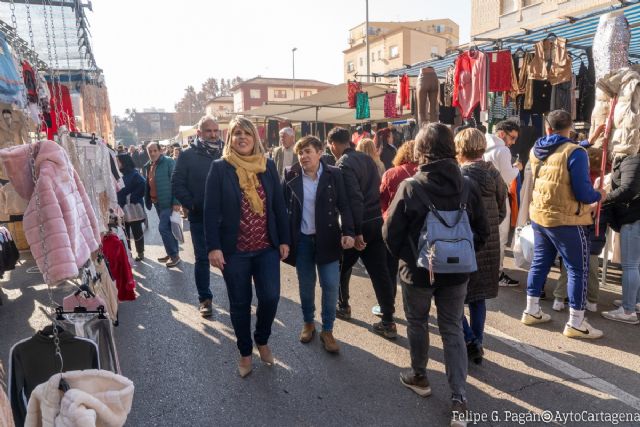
x=138, y=235
x=374, y=257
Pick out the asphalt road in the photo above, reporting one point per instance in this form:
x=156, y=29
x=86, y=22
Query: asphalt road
x=184, y=367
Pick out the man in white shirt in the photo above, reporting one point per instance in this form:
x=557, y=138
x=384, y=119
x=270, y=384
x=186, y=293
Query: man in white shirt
x=498, y=153
x=283, y=155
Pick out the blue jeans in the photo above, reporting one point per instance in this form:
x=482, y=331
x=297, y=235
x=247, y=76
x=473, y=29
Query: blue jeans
x=168, y=240
x=477, y=317
x=201, y=269
x=573, y=244
x=630, y=254
x=329, y=282
x=264, y=268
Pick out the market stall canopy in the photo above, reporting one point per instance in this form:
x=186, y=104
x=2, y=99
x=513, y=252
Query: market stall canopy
x=328, y=106
x=185, y=132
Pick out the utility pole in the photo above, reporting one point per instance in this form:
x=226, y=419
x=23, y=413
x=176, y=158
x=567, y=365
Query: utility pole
x=293, y=54
x=366, y=32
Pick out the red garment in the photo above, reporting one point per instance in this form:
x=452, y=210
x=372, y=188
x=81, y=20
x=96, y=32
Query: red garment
x=513, y=201
x=500, y=68
x=30, y=82
x=404, y=91
x=116, y=255
x=470, y=83
x=253, y=234
x=356, y=137
x=51, y=124
x=352, y=89
x=390, y=109
x=391, y=180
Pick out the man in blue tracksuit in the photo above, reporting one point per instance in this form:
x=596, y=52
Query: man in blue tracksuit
x=561, y=213
x=188, y=180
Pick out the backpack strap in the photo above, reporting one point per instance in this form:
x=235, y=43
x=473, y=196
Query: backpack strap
x=424, y=198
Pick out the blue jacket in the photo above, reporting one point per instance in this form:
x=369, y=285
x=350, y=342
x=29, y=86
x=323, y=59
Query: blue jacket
x=165, y=196
x=222, y=207
x=135, y=186
x=189, y=178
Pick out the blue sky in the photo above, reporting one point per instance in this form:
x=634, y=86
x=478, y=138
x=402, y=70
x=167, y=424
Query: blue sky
x=151, y=50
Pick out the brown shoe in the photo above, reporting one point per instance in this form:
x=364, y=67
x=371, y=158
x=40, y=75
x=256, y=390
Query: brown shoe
x=308, y=331
x=329, y=342
x=206, y=309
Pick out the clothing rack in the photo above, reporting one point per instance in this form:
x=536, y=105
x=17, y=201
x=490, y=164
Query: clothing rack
x=21, y=45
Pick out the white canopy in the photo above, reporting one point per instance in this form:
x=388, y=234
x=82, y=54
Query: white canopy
x=328, y=106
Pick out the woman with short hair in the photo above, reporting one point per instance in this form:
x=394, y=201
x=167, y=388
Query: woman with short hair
x=247, y=233
x=483, y=284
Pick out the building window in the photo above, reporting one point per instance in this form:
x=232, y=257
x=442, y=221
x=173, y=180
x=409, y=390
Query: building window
x=434, y=50
x=350, y=66
x=255, y=94
x=380, y=55
x=305, y=93
x=508, y=6
x=394, y=52
x=373, y=56
x=279, y=93
x=440, y=28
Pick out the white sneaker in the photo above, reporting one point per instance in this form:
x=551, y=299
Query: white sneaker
x=534, y=319
x=620, y=316
x=558, y=305
x=591, y=306
x=585, y=331
x=618, y=303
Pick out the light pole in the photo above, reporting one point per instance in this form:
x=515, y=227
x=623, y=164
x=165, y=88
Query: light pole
x=367, y=42
x=293, y=55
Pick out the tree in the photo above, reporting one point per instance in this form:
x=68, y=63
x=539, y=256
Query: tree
x=190, y=107
x=122, y=131
x=210, y=89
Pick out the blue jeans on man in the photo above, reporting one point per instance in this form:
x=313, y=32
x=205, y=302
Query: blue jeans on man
x=264, y=268
x=168, y=239
x=630, y=254
x=201, y=268
x=329, y=282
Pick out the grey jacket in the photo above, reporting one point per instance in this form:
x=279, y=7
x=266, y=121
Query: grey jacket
x=278, y=157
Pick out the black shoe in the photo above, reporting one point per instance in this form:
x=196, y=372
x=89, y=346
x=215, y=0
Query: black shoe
x=343, y=313
x=507, y=281
x=164, y=258
x=174, y=262
x=417, y=383
x=140, y=257
x=474, y=352
x=386, y=329
x=458, y=413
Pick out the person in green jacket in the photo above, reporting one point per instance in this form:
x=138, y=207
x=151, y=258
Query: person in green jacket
x=158, y=171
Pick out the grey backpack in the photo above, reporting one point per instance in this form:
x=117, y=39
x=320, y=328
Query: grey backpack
x=446, y=240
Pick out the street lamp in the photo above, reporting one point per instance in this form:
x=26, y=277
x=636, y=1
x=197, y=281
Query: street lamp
x=293, y=55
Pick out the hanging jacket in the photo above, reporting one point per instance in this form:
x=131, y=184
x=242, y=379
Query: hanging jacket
x=95, y=398
x=69, y=225
x=483, y=284
x=470, y=83
x=554, y=52
x=116, y=254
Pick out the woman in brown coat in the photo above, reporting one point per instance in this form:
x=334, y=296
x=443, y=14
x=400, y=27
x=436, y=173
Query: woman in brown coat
x=483, y=284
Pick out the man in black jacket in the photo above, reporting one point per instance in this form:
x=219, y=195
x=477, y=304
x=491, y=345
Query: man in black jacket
x=439, y=178
x=188, y=181
x=362, y=182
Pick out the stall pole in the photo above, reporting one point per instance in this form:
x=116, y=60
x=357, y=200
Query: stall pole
x=605, y=150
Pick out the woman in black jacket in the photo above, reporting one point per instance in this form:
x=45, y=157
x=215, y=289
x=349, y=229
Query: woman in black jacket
x=315, y=197
x=247, y=232
x=131, y=200
x=625, y=202
x=439, y=178
x=483, y=284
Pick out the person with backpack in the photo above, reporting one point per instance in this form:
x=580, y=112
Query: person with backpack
x=436, y=260
x=483, y=284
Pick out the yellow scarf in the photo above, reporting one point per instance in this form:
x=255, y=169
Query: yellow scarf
x=246, y=168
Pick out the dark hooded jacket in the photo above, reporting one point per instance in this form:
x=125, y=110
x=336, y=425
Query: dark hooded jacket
x=483, y=284
x=442, y=182
x=624, y=199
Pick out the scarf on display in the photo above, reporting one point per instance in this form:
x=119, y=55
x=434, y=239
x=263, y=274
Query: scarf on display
x=362, y=106
x=214, y=148
x=247, y=168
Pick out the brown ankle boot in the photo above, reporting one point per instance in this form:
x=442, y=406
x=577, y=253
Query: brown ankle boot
x=308, y=331
x=329, y=342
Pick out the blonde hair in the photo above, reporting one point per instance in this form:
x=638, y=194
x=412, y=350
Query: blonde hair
x=248, y=126
x=470, y=143
x=405, y=154
x=367, y=146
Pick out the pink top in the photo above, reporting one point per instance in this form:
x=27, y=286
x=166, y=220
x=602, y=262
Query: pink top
x=470, y=82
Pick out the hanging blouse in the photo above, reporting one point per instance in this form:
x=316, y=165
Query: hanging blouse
x=470, y=82
x=352, y=89
x=500, y=69
x=390, y=110
x=403, y=99
x=362, y=106
x=551, y=61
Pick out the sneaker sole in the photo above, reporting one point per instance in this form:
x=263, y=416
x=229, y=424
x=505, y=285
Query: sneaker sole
x=530, y=320
x=574, y=333
x=422, y=392
x=620, y=305
x=617, y=319
x=507, y=285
